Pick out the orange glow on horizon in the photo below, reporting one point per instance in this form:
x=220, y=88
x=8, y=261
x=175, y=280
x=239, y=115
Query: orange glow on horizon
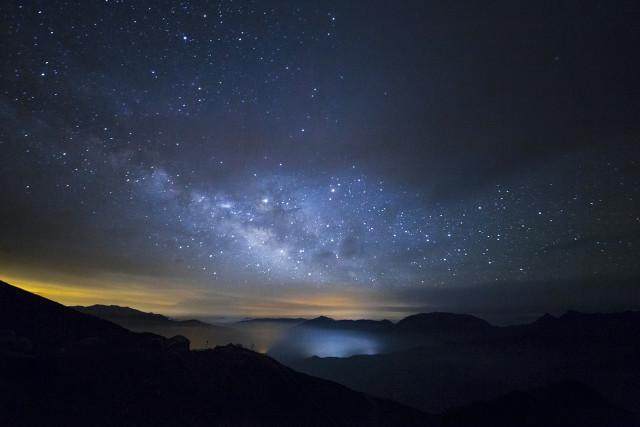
x=70, y=294
x=189, y=301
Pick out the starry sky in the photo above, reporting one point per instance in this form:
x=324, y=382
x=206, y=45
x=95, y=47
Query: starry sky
x=355, y=159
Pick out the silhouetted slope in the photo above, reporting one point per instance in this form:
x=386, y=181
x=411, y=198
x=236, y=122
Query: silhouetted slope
x=258, y=334
x=446, y=326
x=428, y=329
x=383, y=335
x=62, y=367
x=565, y=404
x=118, y=315
x=436, y=368
x=293, y=320
x=201, y=334
x=362, y=325
x=609, y=328
x=47, y=324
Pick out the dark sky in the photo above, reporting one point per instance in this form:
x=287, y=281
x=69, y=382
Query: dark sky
x=361, y=158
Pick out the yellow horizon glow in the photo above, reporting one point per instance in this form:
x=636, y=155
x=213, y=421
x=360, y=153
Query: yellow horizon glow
x=197, y=302
x=70, y=294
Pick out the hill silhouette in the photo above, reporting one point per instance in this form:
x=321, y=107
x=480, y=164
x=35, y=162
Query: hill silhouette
x=292, y=320
x=258, y=333
x=200, y=334
x=133, y=316
x=75, y=369
x=380, y=336
x=563, y=404
x=444, y=325
x=59, y=366
x=435, y=361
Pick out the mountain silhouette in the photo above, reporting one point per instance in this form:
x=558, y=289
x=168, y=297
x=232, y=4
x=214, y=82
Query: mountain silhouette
x=292, y=320
x=64, y=367
x=443, y=324
x=49, y=326
x=200, y=334
x=59, y=366
x=379, y=336
x=117, y=314
x=364, y=325
x=563, y=404
x=435, y=361
x=258, y=333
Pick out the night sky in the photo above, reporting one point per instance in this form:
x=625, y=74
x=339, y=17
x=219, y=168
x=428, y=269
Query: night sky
x=354, y=159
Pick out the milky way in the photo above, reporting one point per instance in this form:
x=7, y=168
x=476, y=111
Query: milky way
x=258, y=146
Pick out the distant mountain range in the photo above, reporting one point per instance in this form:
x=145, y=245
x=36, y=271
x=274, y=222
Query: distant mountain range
x=257, y=334
x=436, y=361
x=293, y=320
x=118, y=314
x=59, y=366
x=562, y=404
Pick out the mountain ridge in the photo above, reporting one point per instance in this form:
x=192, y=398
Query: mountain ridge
x=131, y=314
x=79, y=369
x=65, y=367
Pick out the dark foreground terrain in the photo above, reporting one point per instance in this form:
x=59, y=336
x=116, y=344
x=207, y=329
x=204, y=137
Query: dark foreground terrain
x=437, y=361
x=62, y=367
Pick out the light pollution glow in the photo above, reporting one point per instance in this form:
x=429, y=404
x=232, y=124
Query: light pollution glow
x=184, y=301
